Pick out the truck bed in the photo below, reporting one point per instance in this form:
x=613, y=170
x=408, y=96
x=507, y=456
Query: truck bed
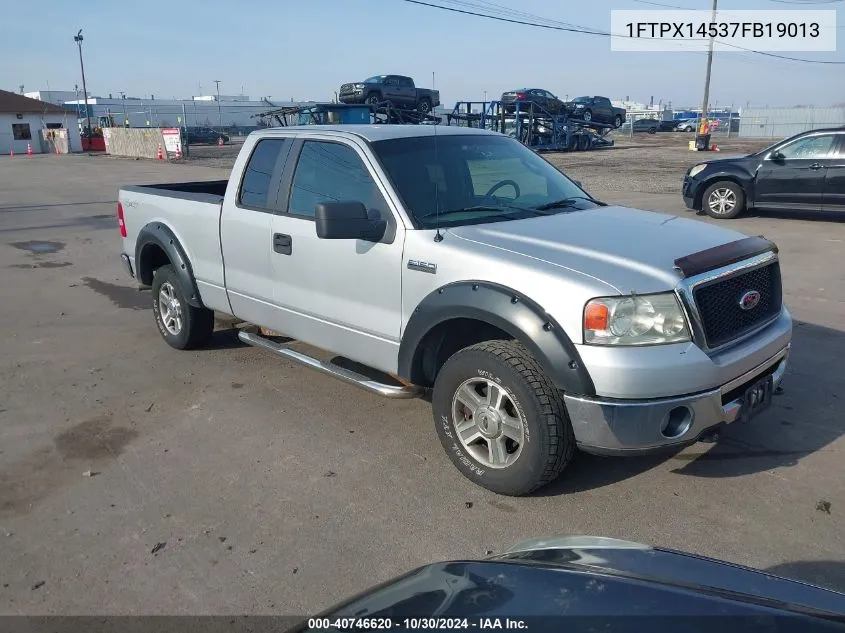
x=191, y=210
x=183, y=190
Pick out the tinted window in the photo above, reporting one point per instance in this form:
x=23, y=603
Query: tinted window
x=466, y=176
x=329, y=172
x=261, y=177
x=809, y=147
x=406, y=81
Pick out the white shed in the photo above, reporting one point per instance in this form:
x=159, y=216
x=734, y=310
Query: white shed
x=25, y=121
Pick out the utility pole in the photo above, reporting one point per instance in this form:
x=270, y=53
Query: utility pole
x=78, y=39
x=219, y=112
x=706, y=100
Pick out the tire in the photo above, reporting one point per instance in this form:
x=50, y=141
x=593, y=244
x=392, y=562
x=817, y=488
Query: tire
x=723, y=200
x=374, y=98
x=505, y=371
x=617, y=122
x=189, y=327
x=424, y=106
x=587, y=116
x=652, y=130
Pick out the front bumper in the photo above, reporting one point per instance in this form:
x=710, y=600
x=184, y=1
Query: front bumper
x=690, y=192
x=352, y=97
x=630, y=427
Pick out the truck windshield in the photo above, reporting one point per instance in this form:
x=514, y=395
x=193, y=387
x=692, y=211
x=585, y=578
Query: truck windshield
x=374, y=80
x=458, y=180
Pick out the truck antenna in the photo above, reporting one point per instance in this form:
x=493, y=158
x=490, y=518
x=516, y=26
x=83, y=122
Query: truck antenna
x=438, y=236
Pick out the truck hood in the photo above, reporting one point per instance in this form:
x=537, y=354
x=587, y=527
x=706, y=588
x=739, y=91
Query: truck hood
x=628, y=249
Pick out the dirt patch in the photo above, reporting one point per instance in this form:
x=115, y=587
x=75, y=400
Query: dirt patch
x=121, y=296
x=42, y=265
x=94, y=439
x=37, y=247
x=28, y=481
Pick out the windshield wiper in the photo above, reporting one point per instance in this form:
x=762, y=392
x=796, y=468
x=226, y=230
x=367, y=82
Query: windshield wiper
x=432, y=214
x=562, y=203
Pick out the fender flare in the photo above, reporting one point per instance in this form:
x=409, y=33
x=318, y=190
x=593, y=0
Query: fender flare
x=158, y=234
x=506, y=309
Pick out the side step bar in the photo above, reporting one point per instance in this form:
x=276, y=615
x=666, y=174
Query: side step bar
x=346, y=375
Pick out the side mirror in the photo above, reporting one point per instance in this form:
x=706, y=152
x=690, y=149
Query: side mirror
x=347, y=221
x=777, y=155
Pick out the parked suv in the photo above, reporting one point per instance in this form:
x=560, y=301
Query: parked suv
x=200, y=135
x=398, y=90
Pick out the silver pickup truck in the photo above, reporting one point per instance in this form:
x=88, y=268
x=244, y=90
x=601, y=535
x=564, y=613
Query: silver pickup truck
x=458, y=261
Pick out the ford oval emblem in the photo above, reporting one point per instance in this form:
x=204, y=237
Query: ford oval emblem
x=749, y=300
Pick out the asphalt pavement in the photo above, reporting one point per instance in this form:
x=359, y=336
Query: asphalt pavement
x=137, y=479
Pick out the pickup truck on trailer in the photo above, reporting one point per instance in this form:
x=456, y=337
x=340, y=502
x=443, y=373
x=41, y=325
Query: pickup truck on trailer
x=397, y=90
x=458, y=260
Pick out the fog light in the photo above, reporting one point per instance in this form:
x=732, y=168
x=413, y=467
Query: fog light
x=677, y=422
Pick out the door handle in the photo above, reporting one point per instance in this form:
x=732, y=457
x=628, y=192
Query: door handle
x=282, y=244
x=816, y=166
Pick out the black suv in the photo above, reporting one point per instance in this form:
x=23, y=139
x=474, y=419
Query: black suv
x=803, y=173
x=203, y=135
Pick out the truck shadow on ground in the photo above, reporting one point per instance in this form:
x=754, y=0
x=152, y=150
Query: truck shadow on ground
x=807, y=418
x=823, y=573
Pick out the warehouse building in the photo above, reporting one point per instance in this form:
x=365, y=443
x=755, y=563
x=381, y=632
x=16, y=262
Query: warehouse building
x=40, y=125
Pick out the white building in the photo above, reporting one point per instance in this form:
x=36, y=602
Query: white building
x=25, y=121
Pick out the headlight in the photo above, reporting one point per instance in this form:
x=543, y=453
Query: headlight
x=635, y=320
x=697, y=169
x=359, y=86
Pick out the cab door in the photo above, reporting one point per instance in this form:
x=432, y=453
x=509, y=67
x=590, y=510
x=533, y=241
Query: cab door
x=833, y=193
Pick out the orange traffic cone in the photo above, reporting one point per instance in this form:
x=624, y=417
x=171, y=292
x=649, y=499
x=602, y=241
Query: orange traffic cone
x=159, y=154
x=29, y=149
x=12, y=153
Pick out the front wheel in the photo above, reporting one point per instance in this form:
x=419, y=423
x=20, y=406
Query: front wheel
x=424, y=106
x=500, y=419
x=180, y=324
x=374, y=99
x=617, y=122
x=723, y=200
x=588, y=115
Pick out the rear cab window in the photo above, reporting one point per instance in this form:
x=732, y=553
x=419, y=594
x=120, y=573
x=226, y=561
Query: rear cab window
x=262, y=176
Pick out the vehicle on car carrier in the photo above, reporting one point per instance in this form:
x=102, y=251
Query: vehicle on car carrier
x=457, y=261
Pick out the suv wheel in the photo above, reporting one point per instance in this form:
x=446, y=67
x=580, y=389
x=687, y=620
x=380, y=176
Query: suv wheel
x=374, y=99
x=723, y=200
x=180, y=324
x=587, y=116
x=500, y=419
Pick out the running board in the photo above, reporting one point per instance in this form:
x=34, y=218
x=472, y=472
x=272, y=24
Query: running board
x=346, y=375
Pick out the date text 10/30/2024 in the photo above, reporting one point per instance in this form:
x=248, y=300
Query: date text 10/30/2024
x=414, y=624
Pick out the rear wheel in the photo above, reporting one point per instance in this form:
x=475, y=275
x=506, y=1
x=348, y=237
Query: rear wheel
x=500, y=419
x=180, y=324
x=723, y=200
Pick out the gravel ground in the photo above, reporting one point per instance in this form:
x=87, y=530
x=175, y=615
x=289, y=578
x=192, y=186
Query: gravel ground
x=643, y=164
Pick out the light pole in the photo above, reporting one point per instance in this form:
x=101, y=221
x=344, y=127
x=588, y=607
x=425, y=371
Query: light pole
x=704, y=103
x=219, y=113
x=78, y=39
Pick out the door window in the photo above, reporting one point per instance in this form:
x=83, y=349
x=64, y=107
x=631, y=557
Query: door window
x=260, y=184
x=329, y=172
x=809, y=147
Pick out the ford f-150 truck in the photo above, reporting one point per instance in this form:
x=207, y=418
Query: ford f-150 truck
x=457, y=260
x=398, y=90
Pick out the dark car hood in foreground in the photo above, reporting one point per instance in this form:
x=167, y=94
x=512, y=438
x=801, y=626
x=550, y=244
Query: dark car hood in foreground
x=601, y=585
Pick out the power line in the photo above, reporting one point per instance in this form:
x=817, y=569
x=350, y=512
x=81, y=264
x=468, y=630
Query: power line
x=587, y=31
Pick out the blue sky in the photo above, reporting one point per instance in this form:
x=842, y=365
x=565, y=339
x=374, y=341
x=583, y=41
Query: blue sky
x=305, y=49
